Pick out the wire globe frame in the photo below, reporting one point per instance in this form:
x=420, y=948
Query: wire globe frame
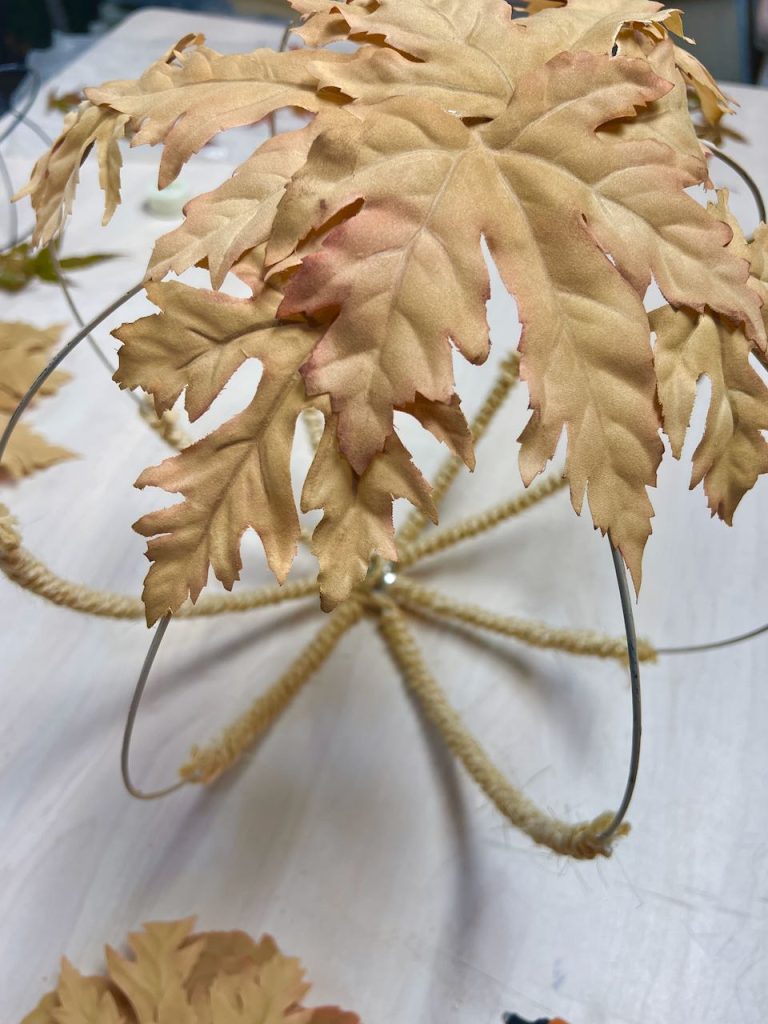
x=583, y=840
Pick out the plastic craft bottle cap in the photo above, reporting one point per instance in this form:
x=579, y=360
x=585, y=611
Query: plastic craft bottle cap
x=168, y=202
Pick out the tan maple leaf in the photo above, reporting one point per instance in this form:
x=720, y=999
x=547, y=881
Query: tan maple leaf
x=24, y=353
x=84, y=1000
x=712, y=100
x=758, y=257
x=357, y=520
x=459, y=55
x=597, y=24
x=191, y=94
x=172, y=976
x=562, y=141
x=272, y=997
x=225, y=953
x=322, y=21
x=594, y=25
x=689, y=345
x=221, y=225
x=153, y=978
x=665, y=119
x=56, y=174
x=389, y=344
x=239, y=476
x=185, y=103
x=552, y=197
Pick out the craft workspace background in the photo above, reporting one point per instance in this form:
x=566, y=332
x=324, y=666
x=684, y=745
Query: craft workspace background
x=349, y=830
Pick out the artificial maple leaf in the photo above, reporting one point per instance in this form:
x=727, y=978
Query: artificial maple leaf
x=270, y=998
x=225, y=953
x=665, y=119
x=758, y=257
x=470, y=55
x=84, y=1000
x=56, y=174
x=357, y=521
x=152, y=979
x=320, y=21
x=689, y=345
x=221, y=225
x=593, y=25
x=388, y=345
x=459, y=55
x=446, y=422
x=194, y=345
x=449, y=124
x=184, y=102
x=712, y=100
x=43, y=1012
x=197, y=341
x=239, y=475
x=173, y=976
x=549, y=210
x=28, y=451
x=597, y=24
x=24, y=353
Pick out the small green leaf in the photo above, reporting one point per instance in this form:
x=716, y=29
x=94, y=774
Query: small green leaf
x=19, y=266
x=77, y=262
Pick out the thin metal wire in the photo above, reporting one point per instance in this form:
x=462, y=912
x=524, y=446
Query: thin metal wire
x=130, y=721
x=103, y=359
x=18, y=118
x=17, y=238
x=35, y=127
x=13, y=214
x=57, y=360
x=715, y=645
x=745, y=177
x=637, y=710
x=19, y=115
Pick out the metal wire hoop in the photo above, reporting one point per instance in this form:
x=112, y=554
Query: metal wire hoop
x=637, y=710
x=57, y=360
x=130, y=720
x=748, y=180
x=162, y=626
x=389, y=577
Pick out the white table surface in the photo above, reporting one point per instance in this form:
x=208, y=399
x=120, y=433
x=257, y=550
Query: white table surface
x=349, y=834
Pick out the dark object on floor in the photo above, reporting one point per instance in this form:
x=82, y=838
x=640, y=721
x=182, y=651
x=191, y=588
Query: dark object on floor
x=512, y=1018
x=23, y=26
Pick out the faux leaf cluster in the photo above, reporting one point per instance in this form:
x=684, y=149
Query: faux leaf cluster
x=175, y=977
x=561, y=141
x=24, y=352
